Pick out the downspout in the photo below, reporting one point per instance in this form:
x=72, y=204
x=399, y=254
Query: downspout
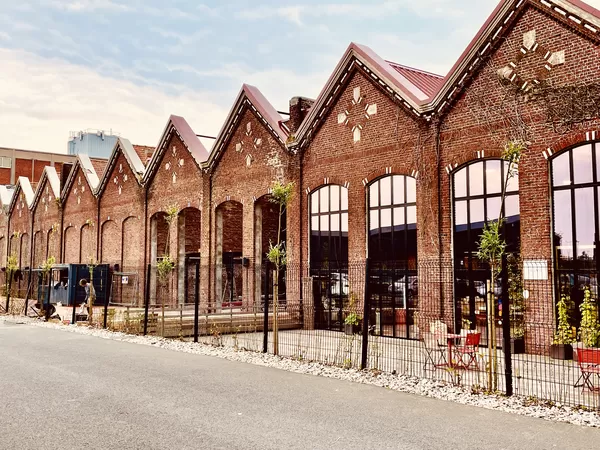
x=145, y=263
x=98, y=230
x=62, y=224
x=301, y=217
x=438, y=148
x=210, y=234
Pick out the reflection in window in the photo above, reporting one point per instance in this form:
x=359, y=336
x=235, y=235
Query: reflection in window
x=392, y=249
x=393, y=219
x=477, y=199
x=575, y=193
x=329, y=226
x=575, y=184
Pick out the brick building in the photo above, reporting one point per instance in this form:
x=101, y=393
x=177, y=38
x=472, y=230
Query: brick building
x=15, y=163
x=389, y=163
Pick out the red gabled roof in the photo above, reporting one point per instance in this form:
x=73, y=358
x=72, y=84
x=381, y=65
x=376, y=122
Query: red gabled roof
x=427, y=82
x=99, y=166
x=144, y=152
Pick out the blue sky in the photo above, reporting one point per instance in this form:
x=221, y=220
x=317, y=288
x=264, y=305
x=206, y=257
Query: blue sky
x=128, y=64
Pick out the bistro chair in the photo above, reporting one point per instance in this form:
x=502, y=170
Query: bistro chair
x=468, y=351
x=589, y=364
x=435, y=355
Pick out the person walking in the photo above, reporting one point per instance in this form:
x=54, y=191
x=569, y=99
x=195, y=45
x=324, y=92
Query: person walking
x=90, y=292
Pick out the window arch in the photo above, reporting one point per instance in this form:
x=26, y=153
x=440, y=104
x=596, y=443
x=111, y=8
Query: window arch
x=575, y=181
x=329, y=226
x=477, y=199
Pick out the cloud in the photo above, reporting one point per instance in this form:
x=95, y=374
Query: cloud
x=384, y=9
x=4, y=36
x=41, y=100
x=88, y=5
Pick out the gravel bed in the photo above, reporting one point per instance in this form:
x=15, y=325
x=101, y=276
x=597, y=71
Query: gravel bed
x=429, y=388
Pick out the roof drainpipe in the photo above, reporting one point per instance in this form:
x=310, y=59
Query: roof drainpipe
x=438, y=148
x=144, y=271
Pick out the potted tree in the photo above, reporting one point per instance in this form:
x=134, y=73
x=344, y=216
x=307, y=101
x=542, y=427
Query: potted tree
x=589, y=329
x=352, y=319
x=562, y=347
x=516, y=304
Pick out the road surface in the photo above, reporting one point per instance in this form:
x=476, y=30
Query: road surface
x=69, y=391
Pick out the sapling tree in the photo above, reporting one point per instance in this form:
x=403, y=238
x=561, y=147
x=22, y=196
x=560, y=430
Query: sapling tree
x=91, y=265
x=492, y=247
x=12, y=265
x=166, y=264
x=281, y=195
x=46, y=268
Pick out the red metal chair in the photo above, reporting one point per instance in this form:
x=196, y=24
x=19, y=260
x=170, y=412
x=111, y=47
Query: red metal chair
x=588, y=360
x=468, y=351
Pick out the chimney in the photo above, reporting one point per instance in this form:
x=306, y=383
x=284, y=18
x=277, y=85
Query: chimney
x=299, y=107
x=64, y=173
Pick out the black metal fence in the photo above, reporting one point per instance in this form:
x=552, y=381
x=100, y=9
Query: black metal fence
x=427, y=320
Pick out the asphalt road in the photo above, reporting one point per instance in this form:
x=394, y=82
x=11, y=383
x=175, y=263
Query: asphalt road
x=68, y=391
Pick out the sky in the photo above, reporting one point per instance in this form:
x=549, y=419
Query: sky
x=126, y=65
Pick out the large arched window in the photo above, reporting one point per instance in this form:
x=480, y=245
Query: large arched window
x=329, y=226
x=393, y=252
x=393, y=219
x=329, y=255
x=477, y=195
x=575, y=178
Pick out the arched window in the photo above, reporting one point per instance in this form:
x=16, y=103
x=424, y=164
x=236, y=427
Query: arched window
x=393, y=219
x=575, y=176
x=393, y=251
x=329, y=226
x=477, y=199
x=329, y=255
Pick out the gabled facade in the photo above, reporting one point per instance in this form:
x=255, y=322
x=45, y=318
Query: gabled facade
x=5, y=200
x=121, y=197
x=20, y=223
x=80, y=212
x=174, y=183
x=46, y=213
x=248, y=156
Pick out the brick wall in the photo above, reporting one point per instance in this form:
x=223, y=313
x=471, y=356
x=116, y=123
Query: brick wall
x=251, y=161
x=121, y=202
x=79, y=207
x=46, y=225
x=20, y=222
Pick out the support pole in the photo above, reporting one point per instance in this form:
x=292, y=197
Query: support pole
x=266, y=310
x=366, y=311
x=147, y=299
x=196, y=300
x=508, y=370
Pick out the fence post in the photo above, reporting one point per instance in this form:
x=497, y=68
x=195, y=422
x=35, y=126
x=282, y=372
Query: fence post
x=266, y=310
x=74, y=317
x=48, y=303
x=508, y=372
x=29, y=290
x=107, y=298
x=366, y=311
x=147, y=299
x=196, y=300
x=10, y=277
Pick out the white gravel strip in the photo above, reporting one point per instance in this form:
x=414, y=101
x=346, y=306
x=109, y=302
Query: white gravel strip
x=411, y=385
